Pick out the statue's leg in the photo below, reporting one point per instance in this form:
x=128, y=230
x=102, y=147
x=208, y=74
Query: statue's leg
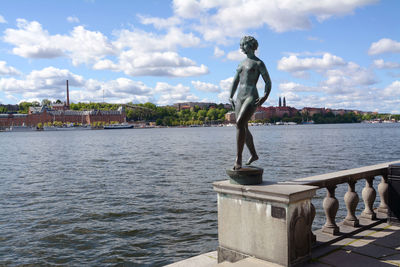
x=250, y=146
x=244, y=115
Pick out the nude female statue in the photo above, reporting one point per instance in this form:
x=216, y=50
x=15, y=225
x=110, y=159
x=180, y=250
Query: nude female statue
x=247, y=99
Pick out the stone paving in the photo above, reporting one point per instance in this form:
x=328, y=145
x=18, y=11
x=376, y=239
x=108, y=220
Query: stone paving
x=378, y=246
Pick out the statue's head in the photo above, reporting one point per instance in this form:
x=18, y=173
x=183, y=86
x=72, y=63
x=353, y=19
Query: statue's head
x=250, y=41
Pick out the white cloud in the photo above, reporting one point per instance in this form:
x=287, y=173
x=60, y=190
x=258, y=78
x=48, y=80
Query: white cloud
x=7, y=70
x=220, y=20
x=384, y=45
x=159, y=64
x=145, y=41
x=236, y=55
x=50, y=83
x=133, y=52
x=2, y=19
x=105, y=64
x=82, y=46
x=393, y=90
x=187, y=8
x=345, y=79
x=160, y=23
x=381, y=64
x=295, y=87
x=218, y=52
x=46, y=83
x=170, y=94
x=73, y=19
x=120, y=90
x=205, y=87
x=142, y=53
x=294, y=63
x=339, y=76
x=225, y=86
x=32, y=41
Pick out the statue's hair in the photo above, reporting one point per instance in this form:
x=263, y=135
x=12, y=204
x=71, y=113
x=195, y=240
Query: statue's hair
x=250, y=40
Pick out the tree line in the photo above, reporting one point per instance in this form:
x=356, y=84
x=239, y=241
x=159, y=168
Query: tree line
x=147, y=112
x=329, y=118
x=170, y=116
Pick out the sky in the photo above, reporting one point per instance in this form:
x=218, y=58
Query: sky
x=323, y=53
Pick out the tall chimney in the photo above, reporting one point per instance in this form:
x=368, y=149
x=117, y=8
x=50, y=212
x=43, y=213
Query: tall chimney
x=67, y=94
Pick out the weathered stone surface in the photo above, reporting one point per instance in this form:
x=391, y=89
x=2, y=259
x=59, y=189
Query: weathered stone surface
x=225, y=254
x=330, y=205
x=351, y=200
x=368, y=195
x=204, y=260
x=268, y=222
x=267, y=191
x=383, y=189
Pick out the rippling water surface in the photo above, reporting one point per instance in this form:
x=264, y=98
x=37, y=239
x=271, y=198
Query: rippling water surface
x=144, y=197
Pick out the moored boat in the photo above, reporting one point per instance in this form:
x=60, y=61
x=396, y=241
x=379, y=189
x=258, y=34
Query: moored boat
x=118, y=126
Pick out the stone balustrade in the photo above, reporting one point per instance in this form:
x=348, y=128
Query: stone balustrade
x=273, y=221
x=330, y=204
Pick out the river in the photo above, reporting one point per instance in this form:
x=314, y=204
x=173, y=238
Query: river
x=144, y=197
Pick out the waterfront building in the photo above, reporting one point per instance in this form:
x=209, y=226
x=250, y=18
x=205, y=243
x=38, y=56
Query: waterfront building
x=44, y=114
x=230, y=117
x=60, y=112
x=312, y=111
x=263, y=113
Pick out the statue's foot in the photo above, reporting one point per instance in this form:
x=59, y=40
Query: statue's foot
x=238, y=163
x=237, y=166
x=251, y=159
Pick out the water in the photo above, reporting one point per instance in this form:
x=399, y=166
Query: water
x=144, y=197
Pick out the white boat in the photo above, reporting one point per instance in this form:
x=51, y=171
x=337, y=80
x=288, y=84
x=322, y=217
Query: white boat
x=21, y=129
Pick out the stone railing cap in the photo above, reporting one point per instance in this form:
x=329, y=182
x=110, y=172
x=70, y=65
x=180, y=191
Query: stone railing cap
x=285, y=193
x=334, y=178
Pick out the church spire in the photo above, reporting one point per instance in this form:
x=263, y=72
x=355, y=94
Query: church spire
x=280, y=102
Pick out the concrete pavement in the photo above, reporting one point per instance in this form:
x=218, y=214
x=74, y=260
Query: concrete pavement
x=375, y=247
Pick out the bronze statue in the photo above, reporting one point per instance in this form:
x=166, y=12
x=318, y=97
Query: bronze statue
x=247, y=99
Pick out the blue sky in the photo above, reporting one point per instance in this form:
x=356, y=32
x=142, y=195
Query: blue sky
x=328, y=53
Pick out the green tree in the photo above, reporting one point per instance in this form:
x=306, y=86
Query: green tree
x=46, y=102
x=212, y=114
x=24, y=107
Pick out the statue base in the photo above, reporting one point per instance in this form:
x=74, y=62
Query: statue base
x=249, y=175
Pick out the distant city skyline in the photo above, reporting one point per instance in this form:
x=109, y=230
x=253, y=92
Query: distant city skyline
x=332, y=54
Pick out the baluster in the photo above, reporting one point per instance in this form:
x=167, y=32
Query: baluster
x=331, y=205
x=312, y=211
x=351, y=201
x=383, y=188
x=369, y=195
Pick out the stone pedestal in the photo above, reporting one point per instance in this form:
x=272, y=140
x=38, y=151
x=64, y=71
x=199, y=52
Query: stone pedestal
x=271, y=222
